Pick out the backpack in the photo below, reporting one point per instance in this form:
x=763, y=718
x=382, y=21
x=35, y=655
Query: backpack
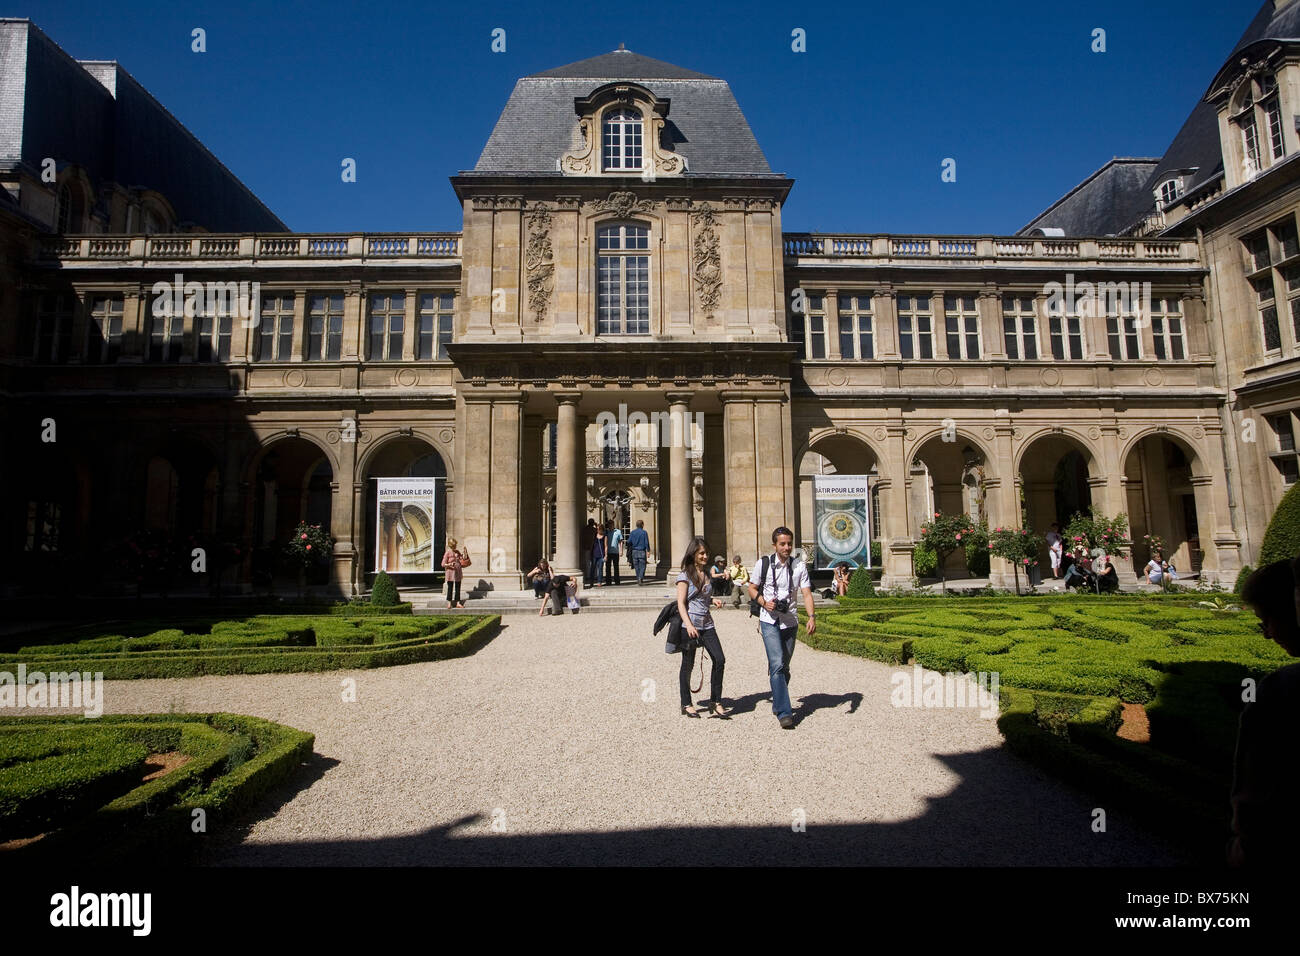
x=754, y=607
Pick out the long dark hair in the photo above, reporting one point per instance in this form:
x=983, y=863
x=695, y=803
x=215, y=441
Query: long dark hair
x=688, y=560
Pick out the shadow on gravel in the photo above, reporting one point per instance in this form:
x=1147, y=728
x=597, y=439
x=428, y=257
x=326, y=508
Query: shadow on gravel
x=977, y=824
x=803, y=706
x=268, y=806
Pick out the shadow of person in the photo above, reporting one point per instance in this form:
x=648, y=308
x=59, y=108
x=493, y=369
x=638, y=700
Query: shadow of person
x=749, y=703
x=815, y=702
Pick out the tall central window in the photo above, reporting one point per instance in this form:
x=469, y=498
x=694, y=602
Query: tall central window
x=387, y=318
x=1019, y=329
x=961, y=326
x=915, y=326
x=324, y=328
x=621, y=140
x=623, y=280
x=1065, y=330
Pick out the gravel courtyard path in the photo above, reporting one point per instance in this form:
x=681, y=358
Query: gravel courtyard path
x=542, y=748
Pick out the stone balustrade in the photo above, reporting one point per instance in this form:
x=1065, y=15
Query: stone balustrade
x=247, y=249
x=984, y=250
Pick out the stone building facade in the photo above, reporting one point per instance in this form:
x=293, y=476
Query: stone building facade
x=622, y=257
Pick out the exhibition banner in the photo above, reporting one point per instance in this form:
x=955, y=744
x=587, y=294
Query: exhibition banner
x=842, y=517
x=404, y=525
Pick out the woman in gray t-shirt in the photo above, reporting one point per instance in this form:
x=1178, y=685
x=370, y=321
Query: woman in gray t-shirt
x=694, y=591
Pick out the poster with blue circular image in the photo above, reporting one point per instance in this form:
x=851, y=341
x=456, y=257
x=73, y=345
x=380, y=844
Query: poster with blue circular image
x=843, y=521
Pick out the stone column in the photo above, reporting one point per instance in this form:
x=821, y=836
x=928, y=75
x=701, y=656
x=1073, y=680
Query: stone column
x=490, y=450
x=299, y=346
x=570, y=482
x=342, y=523
x=885, y=320
x=1110, y=493
x=895, y=511
x=760, y=477
x=832, y=305
x=1004, y=496
x=532, y=507
x=989, y=306
x=715, y=486
x=1213, y=514
x=679, y=472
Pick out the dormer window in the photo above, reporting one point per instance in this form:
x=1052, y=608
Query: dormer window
x=1170, y=190
x=621, y=140
x=1257, y=115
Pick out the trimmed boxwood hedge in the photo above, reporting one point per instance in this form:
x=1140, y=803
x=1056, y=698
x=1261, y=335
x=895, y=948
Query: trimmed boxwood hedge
x=235, y=760
x=1066, y=664
x=1282, y=537
x=267, y=644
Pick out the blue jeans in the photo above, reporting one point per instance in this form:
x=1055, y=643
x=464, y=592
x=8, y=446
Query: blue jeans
x=638, y=562
x=779, y=644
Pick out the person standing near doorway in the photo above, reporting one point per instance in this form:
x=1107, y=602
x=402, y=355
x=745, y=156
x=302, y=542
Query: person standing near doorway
x=586, y=543
x=1055, y=548
x=453, y=561
x=597, y=556
x=638, y=546
x=614, y=549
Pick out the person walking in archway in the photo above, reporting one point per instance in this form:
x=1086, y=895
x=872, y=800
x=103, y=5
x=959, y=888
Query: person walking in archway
x=597, y=556
x=638, y=546
x=613, y=550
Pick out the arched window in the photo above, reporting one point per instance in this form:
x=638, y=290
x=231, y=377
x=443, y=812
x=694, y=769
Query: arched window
x=622, y=140
x=623, y=280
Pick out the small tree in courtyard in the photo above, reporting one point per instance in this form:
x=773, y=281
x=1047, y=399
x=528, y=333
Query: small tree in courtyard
x=1017, y=545
x=943, y=535
x=384, y=592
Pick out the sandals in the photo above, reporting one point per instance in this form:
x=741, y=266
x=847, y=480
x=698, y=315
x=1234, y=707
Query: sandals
x=691, y=711
x=717, y=710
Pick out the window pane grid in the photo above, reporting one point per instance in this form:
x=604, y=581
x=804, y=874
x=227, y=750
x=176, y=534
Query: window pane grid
x=387, y=322
x=622, y=281
x=915, y=326
x=961, y=327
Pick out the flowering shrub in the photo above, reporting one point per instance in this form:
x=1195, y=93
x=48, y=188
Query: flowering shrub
x=1098, y=531
x=308, y=545
x=943, y=535
x=1019, y=546
x=1154, y=543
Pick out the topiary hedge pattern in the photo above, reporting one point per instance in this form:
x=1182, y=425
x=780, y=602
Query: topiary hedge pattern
x=1066, y=666
x=1282, y=538
x=234, y=761
x=264, y=644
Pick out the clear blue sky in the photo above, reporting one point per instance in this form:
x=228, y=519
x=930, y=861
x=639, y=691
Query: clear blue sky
x=861, y=121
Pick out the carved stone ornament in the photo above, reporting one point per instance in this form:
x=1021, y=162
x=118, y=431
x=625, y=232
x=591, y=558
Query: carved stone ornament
x=539, y=263
x=623, y=204
x=706, y=260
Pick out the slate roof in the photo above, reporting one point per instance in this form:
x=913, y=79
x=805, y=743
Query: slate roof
x=1196, y=145
x=1104, y=203
x=95, y=114
x=538, y=124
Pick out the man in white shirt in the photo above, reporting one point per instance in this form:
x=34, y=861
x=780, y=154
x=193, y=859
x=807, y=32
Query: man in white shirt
x=785, y=577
